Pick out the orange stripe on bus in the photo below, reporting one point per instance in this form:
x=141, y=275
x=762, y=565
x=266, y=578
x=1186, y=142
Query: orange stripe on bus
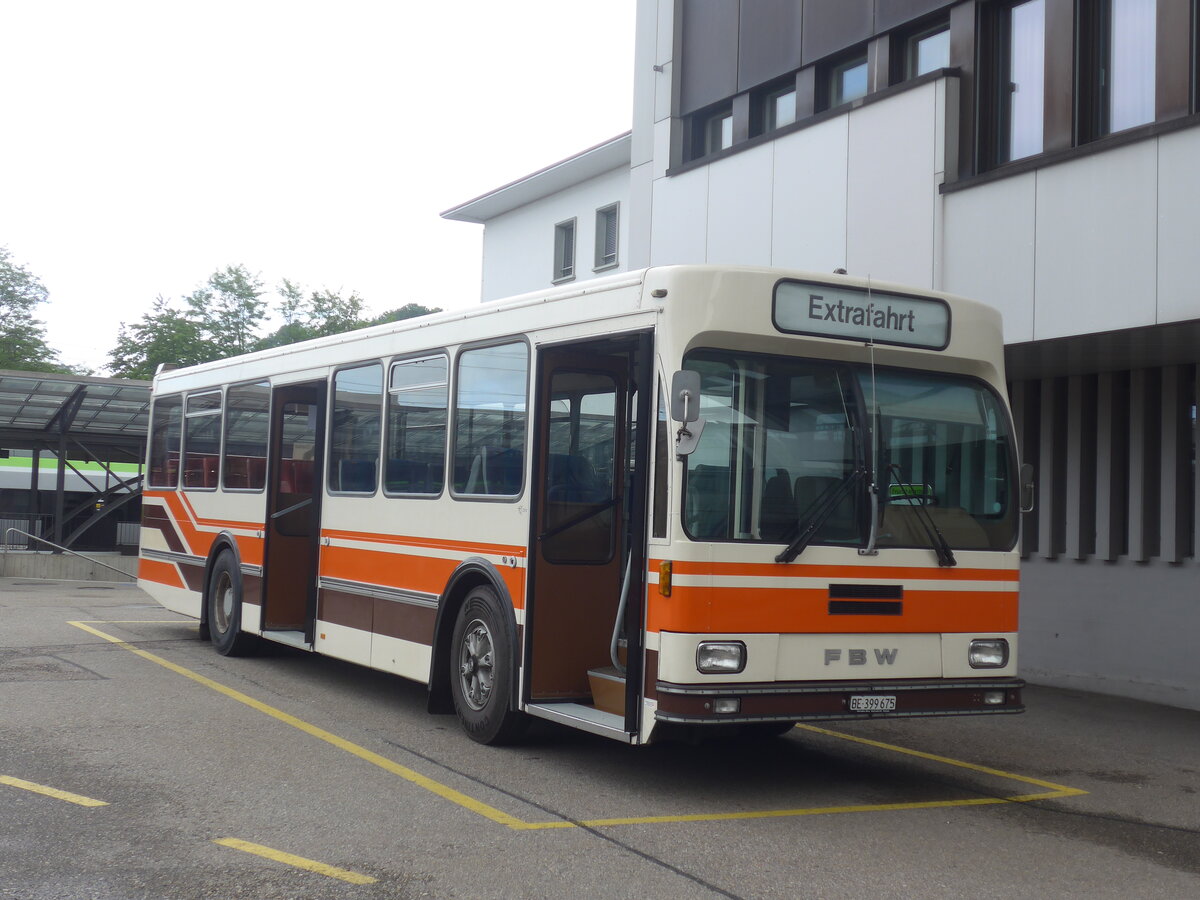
x=426, y=574
x=159, y=572
x=840, y=573
x=215, y=523
x=402, y=540
x=794, y=610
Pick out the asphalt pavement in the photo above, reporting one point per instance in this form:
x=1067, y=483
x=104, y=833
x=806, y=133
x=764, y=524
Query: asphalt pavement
x=135, y=762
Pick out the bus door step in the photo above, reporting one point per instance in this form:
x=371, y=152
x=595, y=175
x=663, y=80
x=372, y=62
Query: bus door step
x=608, y=689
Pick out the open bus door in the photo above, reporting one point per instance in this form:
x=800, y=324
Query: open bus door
x=587, y=547
x=293, y=527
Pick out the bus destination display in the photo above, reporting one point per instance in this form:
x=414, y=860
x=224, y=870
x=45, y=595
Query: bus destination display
x=854, y=314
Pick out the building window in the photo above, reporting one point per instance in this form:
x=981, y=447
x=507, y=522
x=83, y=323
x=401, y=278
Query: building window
x=927, y=50
x=607, y=236
x=779, y=108
x=1020, y=80
x=847, y=79
x=709, y=131
x=718, y=132
x=1117, y=60
x=773, y=106
x=564, y=251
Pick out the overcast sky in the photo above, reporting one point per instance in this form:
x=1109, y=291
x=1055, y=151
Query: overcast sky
x=147, y=144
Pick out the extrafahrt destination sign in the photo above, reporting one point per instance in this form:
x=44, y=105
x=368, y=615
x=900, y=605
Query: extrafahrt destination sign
x=857, y=314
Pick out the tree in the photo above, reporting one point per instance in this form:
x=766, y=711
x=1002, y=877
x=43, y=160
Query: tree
x=163, y=335
x=313, y=314
x=407, y=311
x=217, y=320
x=22, y=337
x=228, y=310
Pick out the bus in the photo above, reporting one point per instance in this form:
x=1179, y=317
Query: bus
x=684, y=501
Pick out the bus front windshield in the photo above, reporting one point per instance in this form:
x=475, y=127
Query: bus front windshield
x=789, y=440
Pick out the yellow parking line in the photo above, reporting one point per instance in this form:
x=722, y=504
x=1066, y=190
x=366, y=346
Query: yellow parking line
x=362, y=753
x=77, y=799
x=299, y=862
x=1054, y=791
x=1057, y=789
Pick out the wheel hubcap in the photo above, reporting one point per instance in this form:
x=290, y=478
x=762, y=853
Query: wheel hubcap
x=224, y=605
x=476, y=665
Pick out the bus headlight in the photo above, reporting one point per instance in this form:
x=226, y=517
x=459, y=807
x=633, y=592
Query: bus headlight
x=720, y=657
x=989, y=654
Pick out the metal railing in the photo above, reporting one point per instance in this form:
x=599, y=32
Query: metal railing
x=9, y=531
x=37, y=523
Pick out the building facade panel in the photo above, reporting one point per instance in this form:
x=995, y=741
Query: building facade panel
x=808, y=204
x=990, y=249
x=739, y=210
x=892, y=189
x=1178, y=225
x=769, y=40
x=832, y=27
x=1096, y=233
x=680, y=216
x=710, y=73
x=1111, y=627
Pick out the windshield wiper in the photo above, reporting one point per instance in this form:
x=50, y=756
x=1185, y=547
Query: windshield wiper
x=823, y=508
x=945, y=556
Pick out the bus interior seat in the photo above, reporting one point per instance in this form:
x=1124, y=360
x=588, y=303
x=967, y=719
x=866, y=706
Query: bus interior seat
x=841, y=522
x=777, y=514
x=708, y=502
x=410, y=476
x=572, y=479
x=356, y=475
x=496, y=472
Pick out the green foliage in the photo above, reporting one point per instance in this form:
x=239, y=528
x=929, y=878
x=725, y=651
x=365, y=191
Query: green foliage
x=313, y=315
x=163, y=335
x=216, y=321
x=407, y=311
x=22, y=337
x=222, y=319
x=228, y=310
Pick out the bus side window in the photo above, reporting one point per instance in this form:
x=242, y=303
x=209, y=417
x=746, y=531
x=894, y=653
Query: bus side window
x=355, y=429
x=247, y=415
x=490, y=420
x=164, y=441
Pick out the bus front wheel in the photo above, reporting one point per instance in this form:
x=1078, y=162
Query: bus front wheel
x=225, y=609
x=481, y=671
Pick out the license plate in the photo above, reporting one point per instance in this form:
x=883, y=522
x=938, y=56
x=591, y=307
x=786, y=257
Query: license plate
x=872, y=703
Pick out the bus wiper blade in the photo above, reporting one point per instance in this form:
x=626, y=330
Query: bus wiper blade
x=937, y=540
x=824, y=507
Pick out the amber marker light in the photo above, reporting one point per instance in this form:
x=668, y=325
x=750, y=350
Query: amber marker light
x=664, y=578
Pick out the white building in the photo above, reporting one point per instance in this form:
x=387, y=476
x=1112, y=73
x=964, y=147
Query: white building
x=1039, y=155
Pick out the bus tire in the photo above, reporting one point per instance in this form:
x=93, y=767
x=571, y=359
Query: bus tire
x=225, y=609
x=482, y=667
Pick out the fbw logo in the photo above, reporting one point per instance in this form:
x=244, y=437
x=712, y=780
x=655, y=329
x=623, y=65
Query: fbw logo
x=885, y=656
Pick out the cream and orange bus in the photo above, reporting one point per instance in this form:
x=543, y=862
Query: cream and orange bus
x=689, y=498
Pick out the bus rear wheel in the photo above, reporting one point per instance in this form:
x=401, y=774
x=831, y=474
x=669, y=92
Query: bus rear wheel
x=482, y=667
x=225, y=609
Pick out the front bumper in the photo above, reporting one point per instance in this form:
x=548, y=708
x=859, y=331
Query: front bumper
x=826, y=700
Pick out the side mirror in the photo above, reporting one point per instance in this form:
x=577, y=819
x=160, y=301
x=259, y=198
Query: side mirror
x=1027, y=487
x=685, y=409
x=685, y=396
